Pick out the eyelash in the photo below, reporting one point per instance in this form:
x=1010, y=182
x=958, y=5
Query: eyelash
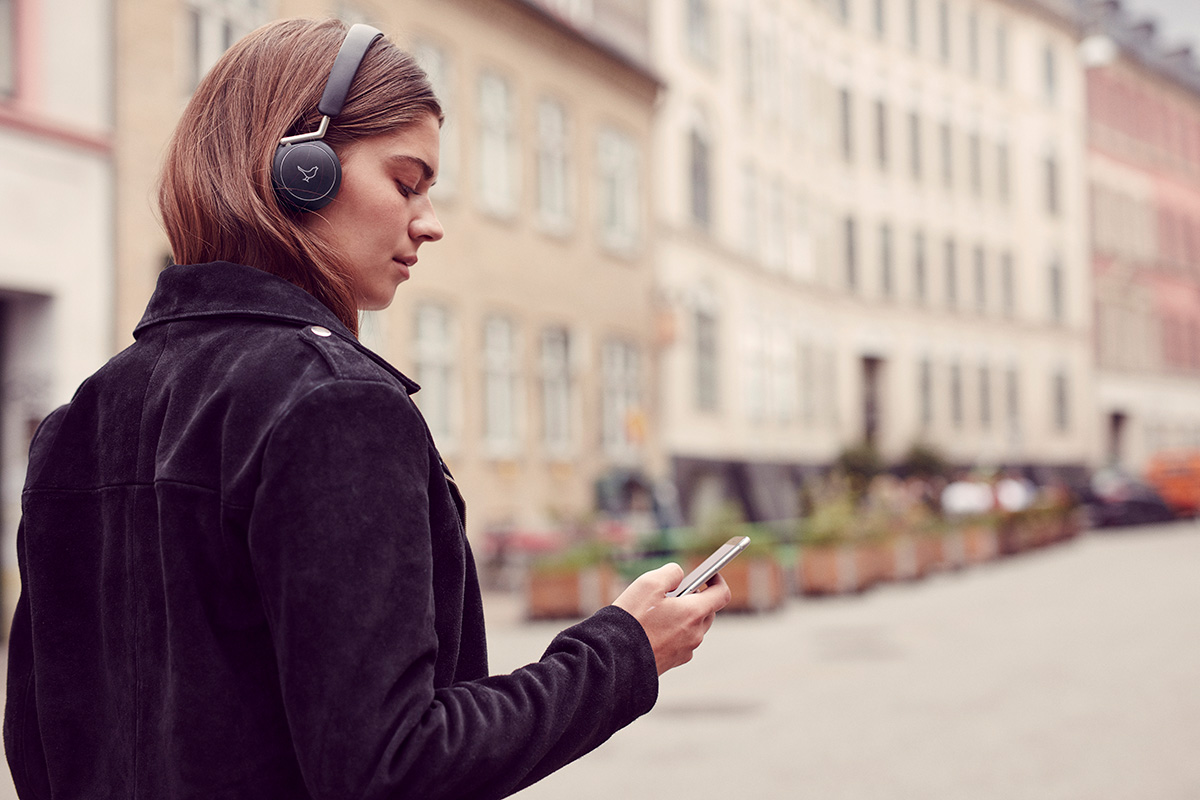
x=405, y=191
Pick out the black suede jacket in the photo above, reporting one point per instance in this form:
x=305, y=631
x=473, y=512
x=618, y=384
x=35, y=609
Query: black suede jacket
x=244, y=575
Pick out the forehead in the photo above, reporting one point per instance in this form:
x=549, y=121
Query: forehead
x=419, y=141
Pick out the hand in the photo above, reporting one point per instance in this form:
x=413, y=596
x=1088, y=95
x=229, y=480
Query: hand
x=675, y=626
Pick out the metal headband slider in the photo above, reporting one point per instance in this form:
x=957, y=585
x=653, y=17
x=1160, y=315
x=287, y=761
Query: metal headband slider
x=319, y=133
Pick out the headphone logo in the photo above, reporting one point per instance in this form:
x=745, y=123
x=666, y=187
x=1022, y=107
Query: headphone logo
x=308, y=174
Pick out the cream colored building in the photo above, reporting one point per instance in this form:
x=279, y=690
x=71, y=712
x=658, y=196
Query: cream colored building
x=530, y=326
x=56, y=262
x=872, y=225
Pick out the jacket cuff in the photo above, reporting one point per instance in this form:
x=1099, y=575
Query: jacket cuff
x=624, y=637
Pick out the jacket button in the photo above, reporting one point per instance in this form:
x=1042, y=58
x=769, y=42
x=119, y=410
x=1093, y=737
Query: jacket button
x=319, y=330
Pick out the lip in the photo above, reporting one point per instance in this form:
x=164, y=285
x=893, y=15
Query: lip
x=405, y=264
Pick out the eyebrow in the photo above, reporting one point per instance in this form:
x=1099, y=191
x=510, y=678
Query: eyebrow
x=426, y=170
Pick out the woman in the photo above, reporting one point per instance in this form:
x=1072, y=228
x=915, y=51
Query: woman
x=244, y=570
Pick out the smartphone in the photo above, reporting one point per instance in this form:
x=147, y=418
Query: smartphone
x=711, y=566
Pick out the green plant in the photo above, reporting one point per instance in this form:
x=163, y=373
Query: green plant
x=576, y=557
x=924, y=461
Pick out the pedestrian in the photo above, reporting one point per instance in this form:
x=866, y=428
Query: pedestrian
x=243, y=562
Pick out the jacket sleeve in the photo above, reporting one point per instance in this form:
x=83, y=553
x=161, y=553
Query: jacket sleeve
x=340, y=540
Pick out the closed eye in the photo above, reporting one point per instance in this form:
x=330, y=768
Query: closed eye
x=405, y=190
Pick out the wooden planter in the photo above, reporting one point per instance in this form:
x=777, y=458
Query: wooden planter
x=927, y=549
x=980, y=544
x=875, y=562
x=569, y=593
x=755, y=584
x=828, y=570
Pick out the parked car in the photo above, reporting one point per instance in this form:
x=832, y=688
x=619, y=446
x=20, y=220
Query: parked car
x=1175, y=475
x=1116, y=499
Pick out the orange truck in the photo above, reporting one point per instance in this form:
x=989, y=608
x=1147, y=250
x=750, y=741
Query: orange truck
x=1175, y=475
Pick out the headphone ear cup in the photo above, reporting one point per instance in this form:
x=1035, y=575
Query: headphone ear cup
x=306, y=175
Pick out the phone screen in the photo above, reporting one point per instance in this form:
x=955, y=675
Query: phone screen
x=711, y=565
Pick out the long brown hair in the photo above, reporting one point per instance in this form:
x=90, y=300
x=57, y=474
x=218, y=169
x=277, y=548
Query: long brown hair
x=216, y=197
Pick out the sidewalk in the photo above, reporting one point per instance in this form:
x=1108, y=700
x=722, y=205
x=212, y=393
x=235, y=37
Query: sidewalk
x=1065, y=674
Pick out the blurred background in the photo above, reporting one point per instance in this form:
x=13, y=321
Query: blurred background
x=848, y=273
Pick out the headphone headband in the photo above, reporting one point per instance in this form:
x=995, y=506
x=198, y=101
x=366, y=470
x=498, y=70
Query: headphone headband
x=350, y=55
x=306, y=172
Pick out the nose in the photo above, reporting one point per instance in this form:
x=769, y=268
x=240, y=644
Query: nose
x=425, y=226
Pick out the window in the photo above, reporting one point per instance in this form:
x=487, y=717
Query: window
x=501, y=386
x=620, y=193
x=750, y=213
x=1050, y=73
x=920, y=279
x=975, y=154
x=755, y=358
x=914, y=25
x=776, y=232
x=951, y=262
x=973, y=42
x=1050, y=166
x=1057, y=310
x=1012, y=399
x=956, y=395
x=699, y=172
x=943, y=23
x=985, y=397
x=497, y=146
x=1003, y=187
x=1002, y=55
x=808, y=383
x=707, y=358
x=880, y=18
x=213, y=26
x=699, y=29
x=621, y=423
x=850, y=241
x=843, y=10
x=846, y=119
x=8, y=48
x=553, y=167
x=748, y=74
x=437, y=66
x=434, y=353
x=980, y=280
x=881, y=134
x=557, y=391
x=886, y=283
x=1062, y=401
x=914, y=145
x=925, y=391
x=1008, y=289
x=946, y=140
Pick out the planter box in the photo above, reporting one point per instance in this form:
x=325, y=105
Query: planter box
x=980, y=544
x=569, y=593
x=874, y=563
x=828, y=570
x=929, y=556
x=755, y=584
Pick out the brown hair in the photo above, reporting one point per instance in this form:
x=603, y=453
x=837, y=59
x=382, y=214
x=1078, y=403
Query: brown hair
x=216, y=197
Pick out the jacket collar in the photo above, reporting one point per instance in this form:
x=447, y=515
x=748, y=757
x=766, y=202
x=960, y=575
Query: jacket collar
x=223, y=289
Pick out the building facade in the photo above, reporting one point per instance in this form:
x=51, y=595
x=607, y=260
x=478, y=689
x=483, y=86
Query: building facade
x=872, y=219
x=1143, y=138
x=56, y=263
x=531, y=326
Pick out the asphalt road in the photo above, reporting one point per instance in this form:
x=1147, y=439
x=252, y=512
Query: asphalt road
x=1071, y=673
x=1067, y=674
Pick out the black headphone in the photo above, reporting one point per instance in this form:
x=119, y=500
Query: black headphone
x=306, y=172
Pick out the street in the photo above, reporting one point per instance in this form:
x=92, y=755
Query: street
x=1064, y=674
